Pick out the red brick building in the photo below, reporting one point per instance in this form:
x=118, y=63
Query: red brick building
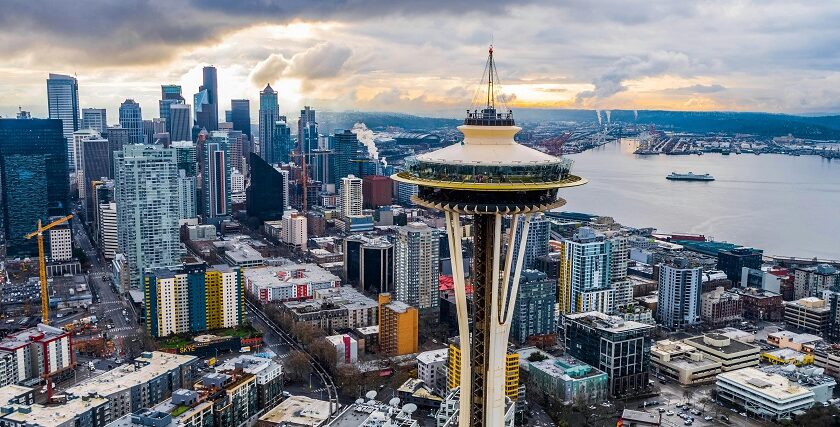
x=377, y=190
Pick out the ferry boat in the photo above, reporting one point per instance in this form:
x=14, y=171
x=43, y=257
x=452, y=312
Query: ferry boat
x=689, y=177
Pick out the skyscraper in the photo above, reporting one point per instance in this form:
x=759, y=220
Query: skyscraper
x=148, y=208
x=537, y=241
x=241, y=116
x=269, y=115
x=185, y=152
x=63, y=104
x=131, y=118
x=96, y=119
x=351, y=196
x=276, y=149
x=207, y=101
x=96, y=164
x=186, y=195
x=416, y=262
x=169, y=95
x=33, y=178
x=679, y=294
x=179, y=123
x=216, y=178
x=307, y=139
x=265, y=199
x=345, y=144
x=118, y=137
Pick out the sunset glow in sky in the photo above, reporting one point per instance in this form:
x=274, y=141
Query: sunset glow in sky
x=427, y=57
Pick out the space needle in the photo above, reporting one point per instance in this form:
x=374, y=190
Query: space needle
x=492, y=178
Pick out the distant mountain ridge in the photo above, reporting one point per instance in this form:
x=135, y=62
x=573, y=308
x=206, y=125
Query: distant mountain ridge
x=760, y=124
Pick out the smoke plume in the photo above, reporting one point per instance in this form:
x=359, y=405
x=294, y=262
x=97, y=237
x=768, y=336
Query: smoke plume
x=608, y=113
x=598, y=113
x=366, y=137
x=635, y=115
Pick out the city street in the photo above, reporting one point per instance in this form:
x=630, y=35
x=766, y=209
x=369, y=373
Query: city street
x=108, y=305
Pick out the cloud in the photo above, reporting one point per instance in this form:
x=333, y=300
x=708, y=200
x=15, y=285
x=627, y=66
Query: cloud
x=321, y=61
x=611, y=81
x=698, y=88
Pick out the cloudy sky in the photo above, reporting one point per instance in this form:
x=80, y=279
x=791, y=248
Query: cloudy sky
x=426, y=57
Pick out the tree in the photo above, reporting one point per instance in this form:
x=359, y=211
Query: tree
x=324, y=352
x=306, y=332
x=536, y=356
x=297, y=366
x=349, y=379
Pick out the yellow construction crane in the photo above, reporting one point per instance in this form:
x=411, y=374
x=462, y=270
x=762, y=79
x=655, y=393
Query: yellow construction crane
x=42, y=265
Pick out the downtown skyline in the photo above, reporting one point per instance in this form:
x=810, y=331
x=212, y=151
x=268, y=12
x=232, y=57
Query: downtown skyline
x=402, y=57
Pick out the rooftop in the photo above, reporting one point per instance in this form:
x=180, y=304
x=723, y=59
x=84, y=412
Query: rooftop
x=299, y=410
x=721, y=343
x=794, y=337
x=601, y=321
x=807, y=376
x=568, y=368
x=289, y=274
x=12, y=391
x=48, y=416
x=125, y=376
x=39, y=333
x=774, y=386
x=433, y=356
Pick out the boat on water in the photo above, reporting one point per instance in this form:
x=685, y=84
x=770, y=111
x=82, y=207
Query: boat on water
x=689, y=177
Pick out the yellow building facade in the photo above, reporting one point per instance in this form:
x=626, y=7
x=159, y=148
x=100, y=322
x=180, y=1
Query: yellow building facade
x=453, y=377
x=398, y=327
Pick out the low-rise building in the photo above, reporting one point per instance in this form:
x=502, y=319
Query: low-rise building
x=761, y=304
x=449, y=412
x=827, y=356
x=372, y=413
x=416, y=391
x=288, y=281
x=90, y=411
x=334, y=309
x=720, y=307
x=633, y=418
x=810, y=314
x=151, y=379
x=568, y=380
x=809, y=377
x=346, y=349
x=682, y=363
x=432, y=369
x=297, y=411
x=812, y=281
x=804, y=343
x=731, y=354
x=241, y=255
x=512, y=385
x=764, y=395
x=35, y=352
x=786, y=356
x=269, y=376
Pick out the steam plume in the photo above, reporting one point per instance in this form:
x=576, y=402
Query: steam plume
x=366, y=137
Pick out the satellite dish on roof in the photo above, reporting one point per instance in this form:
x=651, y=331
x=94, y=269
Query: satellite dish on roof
x=371, y=395
x=819, y=371
x=409, y=408
x=394, y=401
x=360, y=400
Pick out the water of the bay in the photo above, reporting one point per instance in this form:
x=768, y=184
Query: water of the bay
x=782, y=204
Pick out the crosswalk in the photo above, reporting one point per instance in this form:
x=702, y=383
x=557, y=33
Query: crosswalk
x=319, y=390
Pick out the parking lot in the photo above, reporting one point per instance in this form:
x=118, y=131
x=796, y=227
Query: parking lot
x=671, y=403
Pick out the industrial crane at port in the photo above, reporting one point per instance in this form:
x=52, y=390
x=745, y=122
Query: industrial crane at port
x=42, y=265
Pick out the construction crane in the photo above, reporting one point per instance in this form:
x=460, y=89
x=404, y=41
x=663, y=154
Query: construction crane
x=42, y=264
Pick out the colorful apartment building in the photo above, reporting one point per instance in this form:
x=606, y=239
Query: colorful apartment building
x=193, y=298
x=397, y=327
x=453, y=378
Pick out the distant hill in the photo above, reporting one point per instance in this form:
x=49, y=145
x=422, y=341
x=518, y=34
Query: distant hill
x=761, y=124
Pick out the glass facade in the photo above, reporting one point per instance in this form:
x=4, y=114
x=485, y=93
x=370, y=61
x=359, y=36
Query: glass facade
x=240, y=114
x=131, y=118
x=490, y=173
x=265, y=194
x=345, y=145
x=34, y=176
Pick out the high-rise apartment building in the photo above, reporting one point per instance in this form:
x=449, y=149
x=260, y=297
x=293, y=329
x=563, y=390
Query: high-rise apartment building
x=534, y=310
x=216, y=172
x=584, y=277
x=193, y=298
x=96, y=119
x=351, y=196
x=206, y=101
x=179, y=122
x=107, y=231
x=537, y=242
x=398, y=323
x=33, y=178
x=186, y=195
x=679, y=294
x=240, y=112
x=345, y=145
x=417, y=265
x=131, y=118
x=75, y=160
x=148, y=208
x=63, y=104
x=185, y=153
x=264, y=199
x=269, y=114
x=618, y=347
x=294, y=232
